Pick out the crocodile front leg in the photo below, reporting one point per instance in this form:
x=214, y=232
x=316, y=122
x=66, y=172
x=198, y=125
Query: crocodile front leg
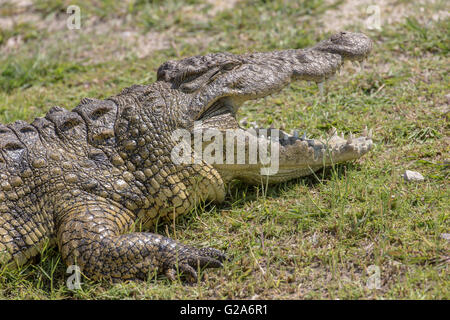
x=93, y=236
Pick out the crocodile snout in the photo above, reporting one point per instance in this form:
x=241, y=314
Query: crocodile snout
x=349, y=45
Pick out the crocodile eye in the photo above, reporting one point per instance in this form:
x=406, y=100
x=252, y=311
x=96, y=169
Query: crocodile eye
x=229, y=66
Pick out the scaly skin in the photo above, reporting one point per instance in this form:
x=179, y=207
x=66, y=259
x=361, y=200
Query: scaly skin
x=85, y=179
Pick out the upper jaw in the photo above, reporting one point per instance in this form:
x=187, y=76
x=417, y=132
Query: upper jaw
x=259, y=74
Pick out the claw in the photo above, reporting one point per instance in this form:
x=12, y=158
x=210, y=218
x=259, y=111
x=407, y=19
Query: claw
x=190, y=273
x=186, y=269
x=171, y=274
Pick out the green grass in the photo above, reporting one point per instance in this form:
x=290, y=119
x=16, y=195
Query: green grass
x=311, y=238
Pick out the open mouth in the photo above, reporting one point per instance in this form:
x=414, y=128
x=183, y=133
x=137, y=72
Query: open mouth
x=220, y=87
x=295, y=152
x=296, y=147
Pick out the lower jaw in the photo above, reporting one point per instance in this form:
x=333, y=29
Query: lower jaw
x=288, y=156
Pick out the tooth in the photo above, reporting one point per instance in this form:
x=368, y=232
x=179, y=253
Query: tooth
x=350, y=138
x=333, y=132
x=321, y=88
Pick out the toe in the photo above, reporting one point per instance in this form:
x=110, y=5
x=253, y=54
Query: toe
x=189, y=271
x=213, y=253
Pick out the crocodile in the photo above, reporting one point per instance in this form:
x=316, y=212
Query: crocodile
x=94, y=181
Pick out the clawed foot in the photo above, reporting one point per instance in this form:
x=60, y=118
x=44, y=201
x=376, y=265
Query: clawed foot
x=189, y=260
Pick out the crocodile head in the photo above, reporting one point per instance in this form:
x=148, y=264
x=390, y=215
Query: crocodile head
x=214, y=86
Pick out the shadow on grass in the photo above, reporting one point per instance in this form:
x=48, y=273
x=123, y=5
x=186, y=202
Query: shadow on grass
x=238, y=189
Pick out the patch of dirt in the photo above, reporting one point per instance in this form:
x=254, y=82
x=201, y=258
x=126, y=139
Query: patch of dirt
x=101, y=39
x=363, y=13
x=220, y=5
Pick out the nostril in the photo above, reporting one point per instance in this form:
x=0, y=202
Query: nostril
x=336, y=37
